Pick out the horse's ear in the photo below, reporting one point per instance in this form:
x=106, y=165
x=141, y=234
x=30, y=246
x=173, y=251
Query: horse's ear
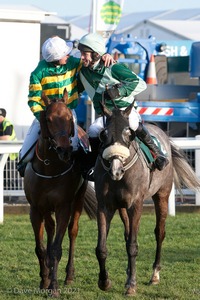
x=105, y=110
x=65, y=96
x=127, y=111
x=46, y=99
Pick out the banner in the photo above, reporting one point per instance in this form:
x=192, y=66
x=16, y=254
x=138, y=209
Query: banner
x=108, y=15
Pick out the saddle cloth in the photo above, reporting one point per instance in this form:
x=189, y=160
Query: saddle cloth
x=146, y=151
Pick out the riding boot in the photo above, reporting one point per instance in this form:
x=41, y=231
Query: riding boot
x=90, y=159
x=160, y=159
x=21, y=166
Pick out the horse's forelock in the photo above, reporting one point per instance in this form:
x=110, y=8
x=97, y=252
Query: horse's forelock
x=116, y=124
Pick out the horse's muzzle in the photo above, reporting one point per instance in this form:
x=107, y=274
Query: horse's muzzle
x=116, y=170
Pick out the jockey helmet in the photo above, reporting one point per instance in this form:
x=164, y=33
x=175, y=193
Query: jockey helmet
x=55, y=49
x=92, y=42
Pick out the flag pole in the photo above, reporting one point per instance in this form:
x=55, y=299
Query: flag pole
x=94, y=15
x=94, y=12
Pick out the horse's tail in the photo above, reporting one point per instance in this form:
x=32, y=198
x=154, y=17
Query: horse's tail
x=184, y=175
x=90, y=202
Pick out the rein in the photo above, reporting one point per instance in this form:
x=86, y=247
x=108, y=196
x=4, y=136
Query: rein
x=45, y=161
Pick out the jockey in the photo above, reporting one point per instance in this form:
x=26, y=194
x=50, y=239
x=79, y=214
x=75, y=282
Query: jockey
x=117, y=82
x=57, y=71
x=51, y=76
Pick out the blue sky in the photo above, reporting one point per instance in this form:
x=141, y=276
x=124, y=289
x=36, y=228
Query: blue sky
x=78, y=7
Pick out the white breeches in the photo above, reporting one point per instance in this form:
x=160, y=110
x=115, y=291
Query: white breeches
x=96, y=127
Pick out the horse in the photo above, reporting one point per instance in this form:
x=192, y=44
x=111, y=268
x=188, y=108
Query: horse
x=56, y=191
x=124, y=179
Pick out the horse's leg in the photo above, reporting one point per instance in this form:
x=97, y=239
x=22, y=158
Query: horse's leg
x=73, y=232
x=50, y=230
x=161, y=208
x=40, y=250
x=132, y=246
x=103, y=220
x=124, y=217
x=62, y=218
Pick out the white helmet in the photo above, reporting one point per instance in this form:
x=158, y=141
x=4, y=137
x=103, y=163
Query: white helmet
x=55, y=48
x=92, y=42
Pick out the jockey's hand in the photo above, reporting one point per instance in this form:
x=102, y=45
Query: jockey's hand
x=108, y=60
x=111, y=93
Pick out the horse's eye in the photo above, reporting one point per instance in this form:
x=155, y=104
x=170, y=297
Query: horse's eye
x=103, y=135
x=126, y=134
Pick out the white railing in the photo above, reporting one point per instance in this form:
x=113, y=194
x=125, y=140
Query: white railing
x=7, y=147
x=185, y=144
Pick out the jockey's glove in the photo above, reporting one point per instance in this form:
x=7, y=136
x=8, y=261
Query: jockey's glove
x=112, y=93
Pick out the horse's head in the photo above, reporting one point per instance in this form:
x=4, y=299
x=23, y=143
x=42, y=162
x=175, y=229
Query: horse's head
x=57, y=125
x=116, y=139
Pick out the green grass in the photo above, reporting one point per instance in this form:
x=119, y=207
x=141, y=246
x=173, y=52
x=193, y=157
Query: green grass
x=180, y=274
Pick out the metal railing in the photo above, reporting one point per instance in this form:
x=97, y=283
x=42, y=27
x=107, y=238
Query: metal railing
x=13, y=184
x=12, y=180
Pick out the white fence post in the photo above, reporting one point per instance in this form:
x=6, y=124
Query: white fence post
x=197, y=170
x=171, y=203
x=6, y=147
x=3, y=159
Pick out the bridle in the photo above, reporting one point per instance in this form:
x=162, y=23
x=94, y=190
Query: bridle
x=126, y=165
x=53, y=145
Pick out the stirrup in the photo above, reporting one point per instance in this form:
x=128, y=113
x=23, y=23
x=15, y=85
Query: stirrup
x=161, y=162
x=89, y=175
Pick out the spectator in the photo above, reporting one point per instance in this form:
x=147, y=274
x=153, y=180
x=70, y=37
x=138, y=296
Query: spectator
x=7, y=133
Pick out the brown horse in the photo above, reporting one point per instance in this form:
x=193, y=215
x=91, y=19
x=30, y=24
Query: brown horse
x=56, y=192
x=123, y=180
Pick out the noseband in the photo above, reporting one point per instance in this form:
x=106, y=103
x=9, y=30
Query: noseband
x=126, y=165
x=52, y=141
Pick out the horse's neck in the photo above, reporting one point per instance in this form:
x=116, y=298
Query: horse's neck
x=133, y=147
